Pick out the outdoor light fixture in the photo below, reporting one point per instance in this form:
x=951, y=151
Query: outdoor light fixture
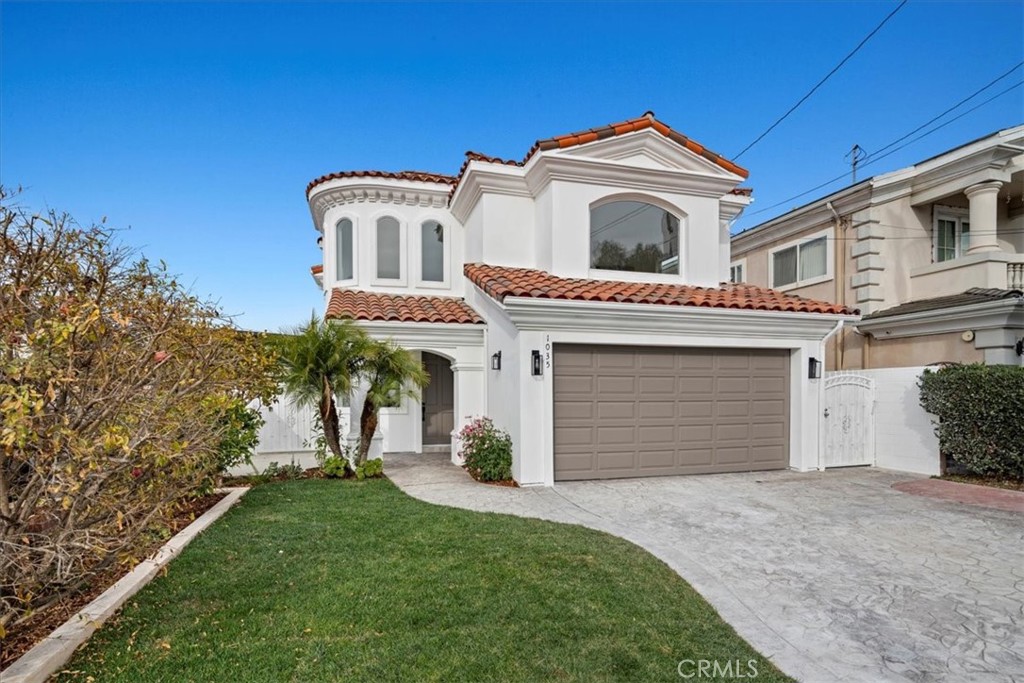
x=320, y=242
x=496, y=361
x=536, y=365
x=814, y=369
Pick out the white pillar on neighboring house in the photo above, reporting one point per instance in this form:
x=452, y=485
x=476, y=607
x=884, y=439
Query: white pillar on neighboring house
x=983, y=198
x=469, y=401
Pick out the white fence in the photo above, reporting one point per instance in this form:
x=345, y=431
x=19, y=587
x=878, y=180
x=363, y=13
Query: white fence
x=287, y=435
x=903, y=432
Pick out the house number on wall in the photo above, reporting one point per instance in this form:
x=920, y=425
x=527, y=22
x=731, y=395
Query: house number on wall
x=547, y=351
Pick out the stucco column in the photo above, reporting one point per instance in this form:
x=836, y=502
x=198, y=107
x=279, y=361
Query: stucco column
x=469, y=400
x=983, y=197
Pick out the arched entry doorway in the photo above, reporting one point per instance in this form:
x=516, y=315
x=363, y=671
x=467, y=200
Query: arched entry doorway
x=438, y=405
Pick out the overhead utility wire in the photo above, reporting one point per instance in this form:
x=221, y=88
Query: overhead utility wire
x=822, y=81
x=871, y=158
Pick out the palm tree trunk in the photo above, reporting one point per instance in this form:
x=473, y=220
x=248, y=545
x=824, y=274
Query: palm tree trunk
x=367, y=428
x=329, y=419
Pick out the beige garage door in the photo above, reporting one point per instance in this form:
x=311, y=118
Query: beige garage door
x=628, y=411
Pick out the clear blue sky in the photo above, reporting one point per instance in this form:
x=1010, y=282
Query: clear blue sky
x=199, y=125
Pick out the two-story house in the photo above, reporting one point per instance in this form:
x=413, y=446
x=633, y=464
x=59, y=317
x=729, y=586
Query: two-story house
x=932, y=255
x=577, y=297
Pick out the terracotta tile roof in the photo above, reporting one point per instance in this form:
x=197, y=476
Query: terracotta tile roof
x=360, y=305
x=418, y=176
x=742, y=191
x=500, y=282
x=648, y=120
x=318, y=269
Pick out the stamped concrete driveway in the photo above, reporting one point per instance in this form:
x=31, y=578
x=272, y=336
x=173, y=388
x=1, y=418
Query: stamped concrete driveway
x=834, y=576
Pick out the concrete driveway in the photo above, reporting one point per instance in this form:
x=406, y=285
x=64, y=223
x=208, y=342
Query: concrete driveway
x=835, y=576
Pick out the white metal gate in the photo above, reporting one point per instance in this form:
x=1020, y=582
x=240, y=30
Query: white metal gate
x=849, y=420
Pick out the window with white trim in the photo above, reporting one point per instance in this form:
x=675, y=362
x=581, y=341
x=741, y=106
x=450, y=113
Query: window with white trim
x=801, y=263
x=432, y=252
x=389, y=249
x=343, y=250
x=951, y=232
x=737, y=271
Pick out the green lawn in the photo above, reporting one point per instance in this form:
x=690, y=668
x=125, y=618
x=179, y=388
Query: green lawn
x=322, y=580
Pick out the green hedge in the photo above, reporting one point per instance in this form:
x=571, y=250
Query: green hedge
x=981, y=416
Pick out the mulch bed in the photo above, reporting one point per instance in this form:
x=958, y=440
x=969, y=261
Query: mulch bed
x=21, y=638
x=995, y=482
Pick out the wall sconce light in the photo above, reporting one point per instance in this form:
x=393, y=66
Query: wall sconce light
x=814, y=369
x=496, y=361
x=320, y=242
x=536, y=363
x=1019, y=347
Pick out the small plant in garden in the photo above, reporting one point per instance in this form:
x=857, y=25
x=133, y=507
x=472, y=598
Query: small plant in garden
x=335, y=466
x=289, y=471
x=241, y=431
x=370, y=469
x=486, y=450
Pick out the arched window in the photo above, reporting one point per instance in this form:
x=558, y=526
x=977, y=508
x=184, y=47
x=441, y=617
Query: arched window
x=432, y=252
x=389, y=249
x=634, y=236
x=343, y=250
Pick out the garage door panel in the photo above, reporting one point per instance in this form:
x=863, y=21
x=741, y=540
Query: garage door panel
x=582, y=385
x=612, y=384
x=576, y=410
x=761, y=408
x=640, y=411
x=652, y=386
x=575, y=436
x=654, y=410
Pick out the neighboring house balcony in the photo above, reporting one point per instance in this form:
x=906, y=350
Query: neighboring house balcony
x=986, y=270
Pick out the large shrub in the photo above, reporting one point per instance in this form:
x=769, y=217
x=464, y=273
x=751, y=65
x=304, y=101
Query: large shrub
x=117, y=387
x=240, y=434
x=981, y=416
x=486, y=450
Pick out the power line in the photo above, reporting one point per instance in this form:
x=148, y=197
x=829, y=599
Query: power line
x=872, y=158
x=822, y=81
x=955, y=106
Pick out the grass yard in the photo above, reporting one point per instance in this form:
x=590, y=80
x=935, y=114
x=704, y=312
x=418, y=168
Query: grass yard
x=322, y=580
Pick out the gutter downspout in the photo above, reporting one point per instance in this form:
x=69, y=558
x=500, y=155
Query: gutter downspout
x=840, y=269
x=821, y=410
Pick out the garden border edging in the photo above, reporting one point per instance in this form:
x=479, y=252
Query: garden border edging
x=53, y=651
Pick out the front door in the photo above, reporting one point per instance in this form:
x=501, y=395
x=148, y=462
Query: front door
x=438, y=401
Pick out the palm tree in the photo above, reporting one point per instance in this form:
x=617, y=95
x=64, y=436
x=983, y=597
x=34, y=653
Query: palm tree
x=318, y=360
x=392, y=374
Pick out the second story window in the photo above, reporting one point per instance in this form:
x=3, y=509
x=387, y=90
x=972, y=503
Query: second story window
x=634, y=236
x=343, y=250
x=432, y=252
x=803, y=263
x=736, y=269
x=952, y=235
x=389, y=249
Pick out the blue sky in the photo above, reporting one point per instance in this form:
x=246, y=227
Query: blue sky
x=199, y=125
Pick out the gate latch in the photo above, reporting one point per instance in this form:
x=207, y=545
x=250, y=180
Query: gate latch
x=826, y=412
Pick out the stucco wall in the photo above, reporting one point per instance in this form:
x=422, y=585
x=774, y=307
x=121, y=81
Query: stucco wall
x=923, y=350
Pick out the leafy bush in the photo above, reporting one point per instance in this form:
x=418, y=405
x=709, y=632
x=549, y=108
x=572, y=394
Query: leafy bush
x=240, y=427
x=981, y=416
x=116, y=387
x=335, y=466
x=370, y=469
x=486, y=450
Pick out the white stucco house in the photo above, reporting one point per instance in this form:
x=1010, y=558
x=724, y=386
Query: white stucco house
x=579, y=297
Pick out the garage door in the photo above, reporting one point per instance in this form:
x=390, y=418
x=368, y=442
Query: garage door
x=627, y=411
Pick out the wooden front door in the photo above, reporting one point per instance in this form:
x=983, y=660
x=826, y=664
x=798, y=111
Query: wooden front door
x=438, y=401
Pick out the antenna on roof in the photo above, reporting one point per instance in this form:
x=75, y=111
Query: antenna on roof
x=856, y=155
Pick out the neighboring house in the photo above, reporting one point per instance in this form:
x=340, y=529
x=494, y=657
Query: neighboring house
x=932, y=255
x=577, y=298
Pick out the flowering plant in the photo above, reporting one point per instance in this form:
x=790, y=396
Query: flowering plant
x=486, y=451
